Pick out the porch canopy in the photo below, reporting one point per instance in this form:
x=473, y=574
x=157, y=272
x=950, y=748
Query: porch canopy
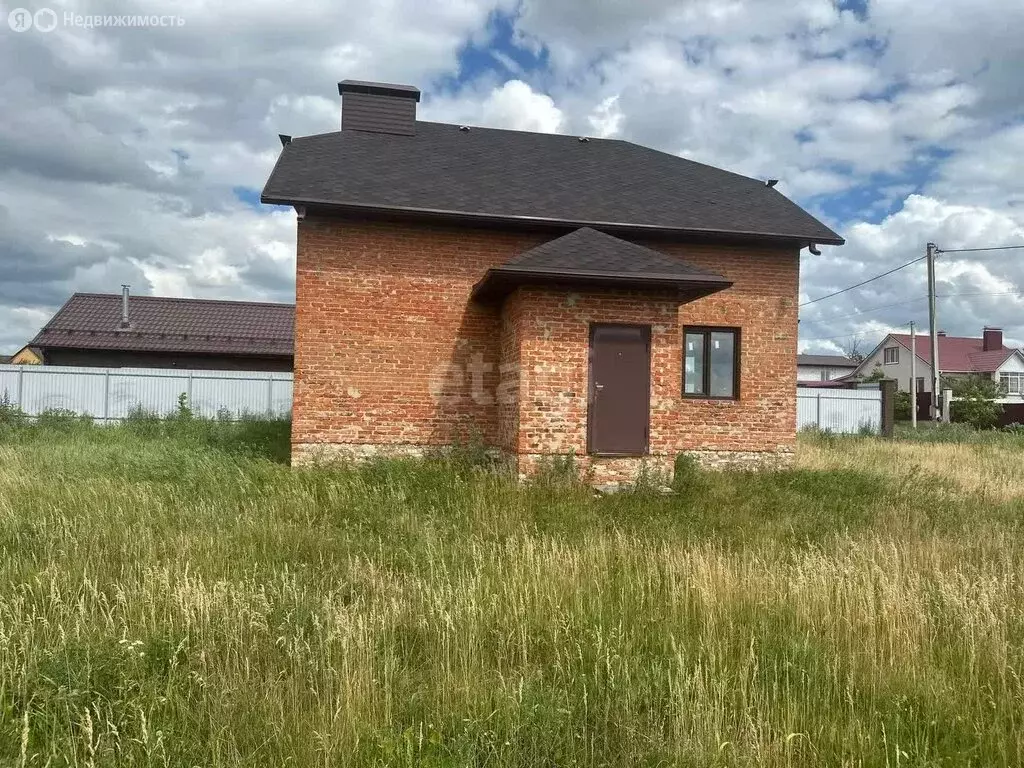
x=587, y=258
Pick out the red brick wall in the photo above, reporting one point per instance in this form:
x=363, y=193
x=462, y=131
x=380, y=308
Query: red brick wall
x=509, y=389
x=383, y=311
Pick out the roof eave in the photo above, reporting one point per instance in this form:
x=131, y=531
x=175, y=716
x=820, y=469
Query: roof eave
x=178, y=350
x=498, y=283
x=798, y=239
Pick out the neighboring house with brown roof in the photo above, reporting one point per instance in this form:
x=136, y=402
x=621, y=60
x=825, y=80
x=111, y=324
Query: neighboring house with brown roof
x=823, y=367
x=111, y=330
x=547, y=295
x=25, y=356
x=958, y=356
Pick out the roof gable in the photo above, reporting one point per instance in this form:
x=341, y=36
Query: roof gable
x=93, y=321
x=587, y=257
x=495, y=174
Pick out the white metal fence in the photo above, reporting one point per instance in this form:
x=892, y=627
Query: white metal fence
x=839, y=410
x=113, y=393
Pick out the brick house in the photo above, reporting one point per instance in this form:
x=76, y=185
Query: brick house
x=548, y=294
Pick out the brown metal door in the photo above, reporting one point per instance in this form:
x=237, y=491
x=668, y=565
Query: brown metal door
x=619, y=406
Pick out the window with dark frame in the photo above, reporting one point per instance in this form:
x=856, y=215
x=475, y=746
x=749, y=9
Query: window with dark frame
x=711, y=363
x=891, y=355
x=920, y=383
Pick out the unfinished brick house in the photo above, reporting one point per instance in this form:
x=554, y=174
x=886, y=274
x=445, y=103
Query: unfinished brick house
x=548, y=295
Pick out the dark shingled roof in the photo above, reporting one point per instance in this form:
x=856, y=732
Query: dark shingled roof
x=158, y=324
x=500, y=175
x=589, y=257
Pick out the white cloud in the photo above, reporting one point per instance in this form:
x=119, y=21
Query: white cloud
x=513, y=104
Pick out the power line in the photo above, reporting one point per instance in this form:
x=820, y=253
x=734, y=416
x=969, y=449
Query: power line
x=864, y=282
x=980, y=293
x=871, y=309
x=974, y=250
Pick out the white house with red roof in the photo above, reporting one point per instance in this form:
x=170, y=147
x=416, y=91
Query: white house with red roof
x=958, y=356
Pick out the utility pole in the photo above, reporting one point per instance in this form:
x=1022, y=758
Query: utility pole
x=933, y=328
x=913, y=375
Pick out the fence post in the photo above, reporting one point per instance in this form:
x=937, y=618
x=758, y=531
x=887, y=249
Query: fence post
x=817, y=409
x=106, y=395
x=188, y=390
x=947, y=405
x=888, y=387
x=270, y=394
x=21, y=387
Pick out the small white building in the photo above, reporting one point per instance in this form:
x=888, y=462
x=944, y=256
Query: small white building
x=823, y=367
x=958, y=356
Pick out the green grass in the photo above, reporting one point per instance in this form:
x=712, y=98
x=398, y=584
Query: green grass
x=172, y=594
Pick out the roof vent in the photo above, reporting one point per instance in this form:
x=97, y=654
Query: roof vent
x=378, y=107
x=285, y=139
x=125, y=323
x=464, y=128
x=584, y=139
x=771, y=182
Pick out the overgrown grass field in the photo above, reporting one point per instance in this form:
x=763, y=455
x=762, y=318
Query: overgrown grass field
x=174, y=595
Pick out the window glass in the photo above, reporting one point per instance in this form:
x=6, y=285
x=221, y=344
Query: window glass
x=693, y=362
x=891, y=355
x=722, y=360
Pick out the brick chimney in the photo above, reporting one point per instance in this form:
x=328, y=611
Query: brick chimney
x=378, y=107
x=991, y=339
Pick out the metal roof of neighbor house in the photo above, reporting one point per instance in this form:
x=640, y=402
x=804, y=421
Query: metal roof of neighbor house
x=493, y=174
x=160, y=324
x=5, y=359
x=957, y=354
x=831, y=361
x=587, y=257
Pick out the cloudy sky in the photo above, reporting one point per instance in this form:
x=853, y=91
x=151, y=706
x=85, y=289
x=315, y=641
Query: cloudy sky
x=132, y=155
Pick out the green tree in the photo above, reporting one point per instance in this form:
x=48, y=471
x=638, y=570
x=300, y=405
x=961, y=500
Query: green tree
x=975, y=401
x=877, y=374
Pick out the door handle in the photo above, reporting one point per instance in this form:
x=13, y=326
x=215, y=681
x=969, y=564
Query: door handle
x=599, y=386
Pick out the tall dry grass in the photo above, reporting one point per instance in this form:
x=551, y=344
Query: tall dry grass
x=165, y=600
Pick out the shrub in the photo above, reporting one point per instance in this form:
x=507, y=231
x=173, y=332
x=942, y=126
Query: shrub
x=686, y=475
x=62, y=419
x=558, y=471
x=471, y=453
x=9, y=412
x=975, y=402
x=901, y=406
x=650, y=480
